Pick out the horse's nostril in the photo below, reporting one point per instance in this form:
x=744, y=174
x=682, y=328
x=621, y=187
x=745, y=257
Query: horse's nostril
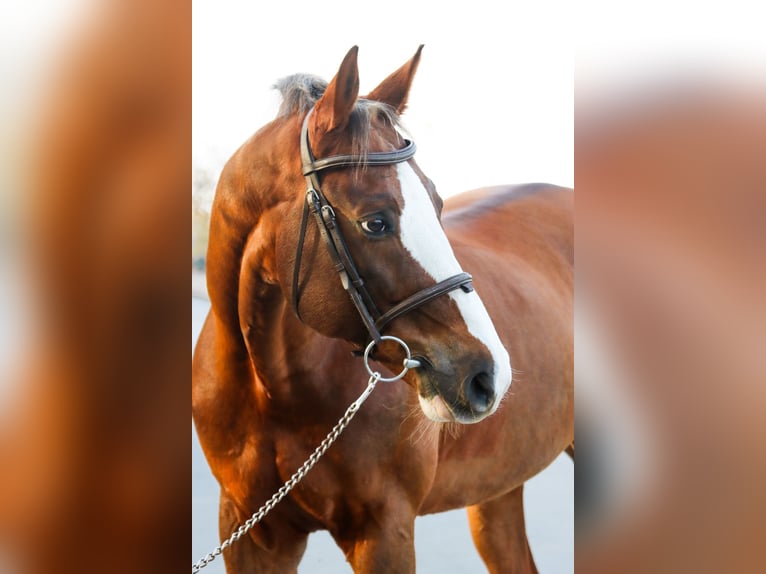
x=480, y=393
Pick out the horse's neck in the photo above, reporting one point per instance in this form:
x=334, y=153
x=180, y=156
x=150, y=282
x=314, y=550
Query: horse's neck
x=293, y=365
x=256, y=321
x=243, y=198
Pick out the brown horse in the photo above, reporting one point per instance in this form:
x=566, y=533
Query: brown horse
x=273, y=369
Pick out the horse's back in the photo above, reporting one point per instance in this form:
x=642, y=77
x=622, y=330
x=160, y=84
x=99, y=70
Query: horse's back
x=527, y=220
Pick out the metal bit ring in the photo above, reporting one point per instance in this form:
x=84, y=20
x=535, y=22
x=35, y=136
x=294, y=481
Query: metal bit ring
x=408, y=362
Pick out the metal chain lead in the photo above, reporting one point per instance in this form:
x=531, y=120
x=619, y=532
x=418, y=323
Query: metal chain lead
x=294, y=479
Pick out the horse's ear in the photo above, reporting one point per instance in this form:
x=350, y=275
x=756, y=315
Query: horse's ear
x=333, y=109
x=396, y=87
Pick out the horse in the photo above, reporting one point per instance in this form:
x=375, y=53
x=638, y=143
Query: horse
x=275, y=366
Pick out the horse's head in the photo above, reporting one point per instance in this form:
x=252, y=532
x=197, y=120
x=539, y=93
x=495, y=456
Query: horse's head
x=388, y=215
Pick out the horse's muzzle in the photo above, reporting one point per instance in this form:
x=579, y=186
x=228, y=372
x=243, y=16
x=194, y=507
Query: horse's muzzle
x=448, y=397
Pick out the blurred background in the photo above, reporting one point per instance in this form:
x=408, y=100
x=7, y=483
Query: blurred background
x=670, y=135
x=94, y=152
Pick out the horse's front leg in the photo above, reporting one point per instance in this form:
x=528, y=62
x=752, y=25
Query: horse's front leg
x=382, y=542
x=499, y=534
x=276, y=551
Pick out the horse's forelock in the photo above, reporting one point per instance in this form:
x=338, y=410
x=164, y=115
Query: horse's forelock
x=301, y=91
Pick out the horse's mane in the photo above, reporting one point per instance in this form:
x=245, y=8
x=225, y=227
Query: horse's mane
x=301, y=91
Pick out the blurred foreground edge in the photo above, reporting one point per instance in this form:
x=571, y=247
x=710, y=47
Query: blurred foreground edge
x=670, y=331
x=96, y=461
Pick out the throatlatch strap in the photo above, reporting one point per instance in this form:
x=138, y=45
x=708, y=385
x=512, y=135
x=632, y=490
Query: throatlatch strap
x=298, y=257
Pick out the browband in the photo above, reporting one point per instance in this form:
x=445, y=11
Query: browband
x=372, y=158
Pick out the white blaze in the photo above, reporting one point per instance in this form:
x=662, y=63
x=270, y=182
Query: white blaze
x=423, y=237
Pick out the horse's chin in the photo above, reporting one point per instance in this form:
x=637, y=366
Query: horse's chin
x=438, y=410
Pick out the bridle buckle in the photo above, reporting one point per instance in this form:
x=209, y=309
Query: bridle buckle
x=328, y=216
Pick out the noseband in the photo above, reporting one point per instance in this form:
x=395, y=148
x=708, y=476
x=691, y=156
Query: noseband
x=317, y=204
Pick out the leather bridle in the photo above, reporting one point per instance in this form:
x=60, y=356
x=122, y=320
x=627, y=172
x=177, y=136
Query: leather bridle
x=316, y=204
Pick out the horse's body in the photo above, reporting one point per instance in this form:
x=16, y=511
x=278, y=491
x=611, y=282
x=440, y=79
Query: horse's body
x=267, y=388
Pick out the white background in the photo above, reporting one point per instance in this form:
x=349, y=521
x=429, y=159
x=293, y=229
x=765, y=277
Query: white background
x=491, y=103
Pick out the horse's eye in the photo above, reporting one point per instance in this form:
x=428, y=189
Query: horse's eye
x=375, y=225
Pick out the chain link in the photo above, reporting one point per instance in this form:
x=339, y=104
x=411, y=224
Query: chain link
x=294, y=479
